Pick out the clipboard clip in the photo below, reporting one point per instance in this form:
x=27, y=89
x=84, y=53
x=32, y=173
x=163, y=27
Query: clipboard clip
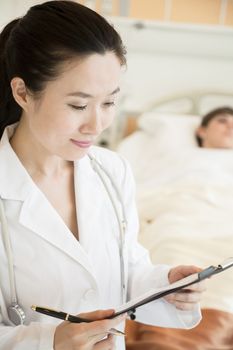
x=226, y=264
x=131, y=313
x=213, y=270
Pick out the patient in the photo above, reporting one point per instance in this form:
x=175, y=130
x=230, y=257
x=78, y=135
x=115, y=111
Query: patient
x=216, y=129
x=189, y=219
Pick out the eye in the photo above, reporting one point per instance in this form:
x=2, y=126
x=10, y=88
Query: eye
x=222, y=120
x=109, y=104
x=79, y=108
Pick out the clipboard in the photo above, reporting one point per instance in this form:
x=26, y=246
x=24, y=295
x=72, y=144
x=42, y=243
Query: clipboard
x=154, y=294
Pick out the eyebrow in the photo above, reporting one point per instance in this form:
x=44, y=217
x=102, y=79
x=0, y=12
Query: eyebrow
x=85, y=95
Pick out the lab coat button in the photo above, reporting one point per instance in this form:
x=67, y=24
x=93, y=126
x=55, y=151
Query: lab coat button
x=89, y=294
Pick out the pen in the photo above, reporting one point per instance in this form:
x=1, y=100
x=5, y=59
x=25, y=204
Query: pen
x=71, y=318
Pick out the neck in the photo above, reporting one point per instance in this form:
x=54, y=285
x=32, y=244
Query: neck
x=34, y=157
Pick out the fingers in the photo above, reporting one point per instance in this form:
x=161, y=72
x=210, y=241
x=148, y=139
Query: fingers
x=190, y=269
x=99, y=328
x=184, y=300
x=197, y=287
x=184, y=306
x=182, y=271
x=106, y=344
x=87, y=335
x=187, y=298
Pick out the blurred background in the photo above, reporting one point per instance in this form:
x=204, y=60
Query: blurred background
x=175, y=48
x=177, y=51
x=212, y=12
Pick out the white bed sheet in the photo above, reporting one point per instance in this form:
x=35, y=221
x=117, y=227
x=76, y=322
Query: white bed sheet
x=185, y=203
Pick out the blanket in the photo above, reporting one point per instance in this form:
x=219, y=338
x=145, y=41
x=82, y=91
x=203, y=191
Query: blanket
x=215, y=332
x=188, y=218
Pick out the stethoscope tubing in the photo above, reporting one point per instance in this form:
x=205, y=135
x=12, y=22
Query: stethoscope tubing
x=121, y=218
x=8, y=248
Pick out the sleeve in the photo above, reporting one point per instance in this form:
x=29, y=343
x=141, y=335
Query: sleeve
x=143, y=275
x=35, y=336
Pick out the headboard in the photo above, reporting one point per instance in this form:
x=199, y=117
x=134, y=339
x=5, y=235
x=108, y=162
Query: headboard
x=187, y=103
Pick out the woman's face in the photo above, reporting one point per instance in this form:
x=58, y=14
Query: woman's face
x=218, y=133
x=76, y=107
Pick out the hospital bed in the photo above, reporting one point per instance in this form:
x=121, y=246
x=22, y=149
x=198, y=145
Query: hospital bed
x=185, y=203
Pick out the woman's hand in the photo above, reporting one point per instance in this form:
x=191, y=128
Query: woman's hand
x=187, y=298
x=87, y=336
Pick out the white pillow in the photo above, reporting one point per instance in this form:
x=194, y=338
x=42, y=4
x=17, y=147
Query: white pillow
x=170, y=131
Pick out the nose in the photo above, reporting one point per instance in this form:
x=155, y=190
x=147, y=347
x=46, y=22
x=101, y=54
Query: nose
x=93, y=125
x=230, y=123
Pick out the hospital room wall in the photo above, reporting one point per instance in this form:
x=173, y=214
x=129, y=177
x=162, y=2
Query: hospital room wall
x=164, y=57
x=173, y=46
x=191, y=11
x=182, y=11
x=168, y=59
x=160, y=76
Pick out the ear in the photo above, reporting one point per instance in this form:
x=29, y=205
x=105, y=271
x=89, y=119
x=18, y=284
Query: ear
x=201, y=132
x=19, y=92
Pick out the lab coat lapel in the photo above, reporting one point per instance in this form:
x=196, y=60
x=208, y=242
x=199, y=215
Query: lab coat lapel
x=88, y=215
x=95, y=216
x=39, y=216
x=36, y=212
x=94, y=211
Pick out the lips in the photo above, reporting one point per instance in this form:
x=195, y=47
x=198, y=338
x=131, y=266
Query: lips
x=82, y=144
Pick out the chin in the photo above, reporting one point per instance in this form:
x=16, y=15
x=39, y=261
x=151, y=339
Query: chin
x=75, y=157
x=226, y=146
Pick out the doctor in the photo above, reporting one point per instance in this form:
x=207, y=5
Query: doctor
x=60, y=67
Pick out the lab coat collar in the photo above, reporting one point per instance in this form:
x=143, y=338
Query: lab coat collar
x=16, y=184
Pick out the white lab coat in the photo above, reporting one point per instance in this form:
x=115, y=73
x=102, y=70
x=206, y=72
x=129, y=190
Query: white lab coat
x=53, y=269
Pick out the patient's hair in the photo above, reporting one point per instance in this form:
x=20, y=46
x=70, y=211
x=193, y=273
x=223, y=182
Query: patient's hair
x=211, y=115
x=35, y=46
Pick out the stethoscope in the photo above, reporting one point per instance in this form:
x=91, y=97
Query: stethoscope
x=16, y=313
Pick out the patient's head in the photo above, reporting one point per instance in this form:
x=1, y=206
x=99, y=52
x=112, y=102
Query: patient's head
x=216, y=129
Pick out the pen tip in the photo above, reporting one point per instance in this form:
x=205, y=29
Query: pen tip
x=116, y=332
x=121, y=333
x=33, y=307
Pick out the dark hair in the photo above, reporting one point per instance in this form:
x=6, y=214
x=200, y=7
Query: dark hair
x=35, y=46
x=211, y=115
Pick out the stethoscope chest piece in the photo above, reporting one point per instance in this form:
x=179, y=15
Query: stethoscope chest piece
x=16, y=314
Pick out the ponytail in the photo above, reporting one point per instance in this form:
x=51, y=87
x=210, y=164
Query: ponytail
x=10, y=111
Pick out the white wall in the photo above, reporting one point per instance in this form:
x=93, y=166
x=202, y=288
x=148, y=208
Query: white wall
x=10, y=9
x=165, y=59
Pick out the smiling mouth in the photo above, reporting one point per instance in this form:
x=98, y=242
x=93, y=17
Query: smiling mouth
x=82, y=144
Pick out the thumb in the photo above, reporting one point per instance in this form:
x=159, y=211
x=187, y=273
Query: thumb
x=190, y=269
x=182, y=271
